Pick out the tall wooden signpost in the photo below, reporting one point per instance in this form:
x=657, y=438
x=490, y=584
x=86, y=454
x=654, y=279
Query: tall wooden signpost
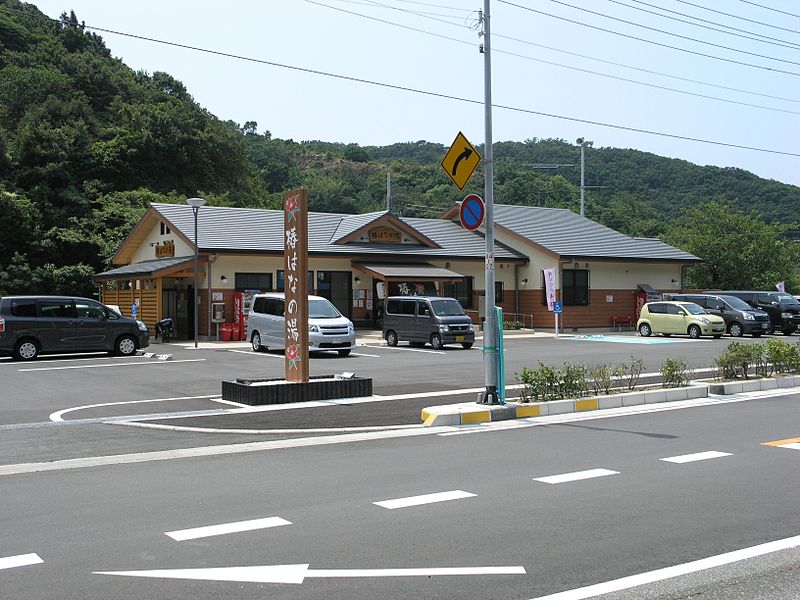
x=295, y=255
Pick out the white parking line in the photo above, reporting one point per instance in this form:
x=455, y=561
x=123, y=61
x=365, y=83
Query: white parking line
x=626, y=583
x=21, y=560
x=59, y=415
x=687, y=458
x=424, y=499
x=137, y=364
x=576, y=476
x=264, y=354
x=225, y=528
x=409, y=349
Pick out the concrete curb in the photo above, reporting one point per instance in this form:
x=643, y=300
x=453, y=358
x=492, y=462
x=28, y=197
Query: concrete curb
x=470, y=413
x=754, y=385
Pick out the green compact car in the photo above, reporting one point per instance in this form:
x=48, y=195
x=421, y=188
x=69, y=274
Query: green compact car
x=680, y=318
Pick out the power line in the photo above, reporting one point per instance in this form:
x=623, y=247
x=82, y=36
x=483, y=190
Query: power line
x=683, y=37
x=627, y=80
x=771, y=8
x=748, y=35
x=738, y=17
x=437, y=94
x=632, y=37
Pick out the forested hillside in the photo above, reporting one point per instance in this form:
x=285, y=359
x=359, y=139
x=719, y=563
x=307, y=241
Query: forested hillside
x=86, y=144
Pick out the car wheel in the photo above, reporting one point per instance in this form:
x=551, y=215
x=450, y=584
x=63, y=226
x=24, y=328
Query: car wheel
x=344, y=352
x=436, y=341
x=466, y=345
x=391, y=338
x=255, y=342
x=735, y=330
x=125, y=346
x=26, y=350
x=694, y=332
x=645, y=330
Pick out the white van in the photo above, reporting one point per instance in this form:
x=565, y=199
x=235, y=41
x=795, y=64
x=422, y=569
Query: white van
x=328, y=329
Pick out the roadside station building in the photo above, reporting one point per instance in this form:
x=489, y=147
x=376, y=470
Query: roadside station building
x=356, y=260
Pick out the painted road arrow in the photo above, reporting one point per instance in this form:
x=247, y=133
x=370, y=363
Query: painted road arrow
x=297, y=573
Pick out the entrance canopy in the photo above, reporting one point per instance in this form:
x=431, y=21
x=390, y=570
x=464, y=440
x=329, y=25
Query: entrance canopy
x=148, y=269
x=389, y=271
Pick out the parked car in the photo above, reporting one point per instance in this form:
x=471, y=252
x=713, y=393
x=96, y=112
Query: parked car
x=783, y=308
x=427, y=319
x=34, y=325
x=328, y=329
x=740, y=317
x=687, y=318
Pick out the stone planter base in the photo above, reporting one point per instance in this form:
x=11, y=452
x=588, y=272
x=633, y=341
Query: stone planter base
x=256, y=392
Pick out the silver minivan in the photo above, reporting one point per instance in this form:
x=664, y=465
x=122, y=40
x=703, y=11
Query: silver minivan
x=328, y=329
x=426, y=319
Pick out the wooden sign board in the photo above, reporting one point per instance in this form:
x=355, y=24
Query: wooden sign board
x=295, y=256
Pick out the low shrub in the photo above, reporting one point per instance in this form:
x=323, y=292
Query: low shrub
x=675, y=372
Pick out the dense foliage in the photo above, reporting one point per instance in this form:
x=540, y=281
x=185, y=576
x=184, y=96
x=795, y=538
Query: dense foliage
x=86, y=144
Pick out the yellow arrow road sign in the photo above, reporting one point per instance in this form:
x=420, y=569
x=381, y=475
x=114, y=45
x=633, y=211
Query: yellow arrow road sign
x=460, y=161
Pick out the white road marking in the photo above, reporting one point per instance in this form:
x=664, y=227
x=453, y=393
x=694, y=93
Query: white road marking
x=182, y=535
x=424, y=499
x=21, y=560
x=404, y=349
x=687, y=458
x=297, y=573
x=792, y=446
x=632, y=581
x=137, y=364
x=262, y=354
x=576, y=476
x=59, y=415
x=362, y=354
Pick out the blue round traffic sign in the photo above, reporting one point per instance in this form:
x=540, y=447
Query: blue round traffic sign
x=472, y=211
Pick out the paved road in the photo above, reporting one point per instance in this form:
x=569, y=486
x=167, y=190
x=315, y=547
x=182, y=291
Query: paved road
x=656, y=489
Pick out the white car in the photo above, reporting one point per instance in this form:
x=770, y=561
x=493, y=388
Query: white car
x=328, y=329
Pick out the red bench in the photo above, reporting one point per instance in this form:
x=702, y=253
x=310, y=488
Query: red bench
x=620, y=320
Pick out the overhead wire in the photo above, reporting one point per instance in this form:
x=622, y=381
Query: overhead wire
x=579, y=69
x=771, y=8
x=633, y=37
x=683, y=37
x=741, y=33
x=738, y=17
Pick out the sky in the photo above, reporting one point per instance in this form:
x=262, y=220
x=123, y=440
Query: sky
x=652, y=75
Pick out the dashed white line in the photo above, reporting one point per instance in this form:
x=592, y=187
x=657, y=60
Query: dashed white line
x=424, y=499
x=20, y=560
x=225, y=528
x=576, y=476
x=136, y=364
x=687, y=458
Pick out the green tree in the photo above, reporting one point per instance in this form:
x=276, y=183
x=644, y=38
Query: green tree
x=739, y=251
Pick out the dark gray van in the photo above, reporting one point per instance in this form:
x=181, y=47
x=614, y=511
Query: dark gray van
x=783, y=308
x=740, y=317
x=34, y=325
x=426, y=319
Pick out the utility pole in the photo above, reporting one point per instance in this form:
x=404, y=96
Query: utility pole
x=389, y=190
x=583, y=143
x=490, y=320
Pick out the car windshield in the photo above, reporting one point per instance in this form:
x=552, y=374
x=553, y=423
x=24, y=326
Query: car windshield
x=694, y=309
x=787, y=299
x=447, y=308
x=736, y=303
x=319, y=308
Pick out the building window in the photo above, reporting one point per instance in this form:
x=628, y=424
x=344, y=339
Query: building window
x=461, y=290
x=575, y=287
x=498, y=293
x=281, y=280
x=164, y=229
x=253, y=281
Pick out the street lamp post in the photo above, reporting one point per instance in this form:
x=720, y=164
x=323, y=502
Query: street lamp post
x=583, y=143
x=195, y=203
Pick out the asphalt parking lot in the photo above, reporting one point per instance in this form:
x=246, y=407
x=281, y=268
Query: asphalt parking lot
x=186, y=387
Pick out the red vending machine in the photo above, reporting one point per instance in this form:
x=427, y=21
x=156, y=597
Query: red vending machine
x=241, y=308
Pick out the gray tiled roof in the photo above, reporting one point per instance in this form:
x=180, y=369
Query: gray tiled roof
x=569, y=235
x=259, y=230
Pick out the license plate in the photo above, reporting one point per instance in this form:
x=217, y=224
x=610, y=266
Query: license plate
x=459, y=338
